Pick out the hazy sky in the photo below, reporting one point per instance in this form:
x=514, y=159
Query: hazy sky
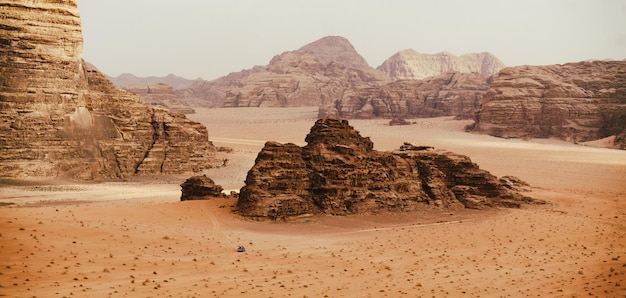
x=209, y=39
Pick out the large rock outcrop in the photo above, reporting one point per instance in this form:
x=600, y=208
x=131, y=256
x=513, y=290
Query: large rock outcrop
x=409, y=64
x=317, y=73
x=450, y=94
x=576, y=102
x=338, y=172
x=60, y=117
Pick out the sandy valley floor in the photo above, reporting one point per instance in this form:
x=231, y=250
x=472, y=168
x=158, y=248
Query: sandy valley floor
x=136, y=239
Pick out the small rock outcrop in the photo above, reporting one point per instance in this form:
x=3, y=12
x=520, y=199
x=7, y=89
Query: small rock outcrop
x=61, y=118
x=409, y=64
x=339, y=173
x=576, y=102
x=200, y=188
x=450, y=94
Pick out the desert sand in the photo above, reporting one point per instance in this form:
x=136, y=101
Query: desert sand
x=136, y=239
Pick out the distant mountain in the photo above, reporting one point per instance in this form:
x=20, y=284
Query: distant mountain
x=409, y=64
x=335, y=49
x=316, y=73
x=128, y=80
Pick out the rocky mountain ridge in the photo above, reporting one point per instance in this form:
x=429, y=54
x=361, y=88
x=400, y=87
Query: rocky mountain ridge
x=129, y=80
x=61, y=118
x=409, y=64
x=338, y=173
x=310, y=76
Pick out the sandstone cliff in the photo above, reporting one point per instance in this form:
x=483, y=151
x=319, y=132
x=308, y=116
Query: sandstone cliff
x=409, y=64
x=128, y=80
x=310, y=76
x=62, y=118
x=450, y=94
x=160, y=94
x=575, y=102
x=338, y=172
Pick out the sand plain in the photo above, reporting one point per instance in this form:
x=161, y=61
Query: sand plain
x=136, y=239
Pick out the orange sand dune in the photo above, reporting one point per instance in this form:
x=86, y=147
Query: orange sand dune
x=137, y=239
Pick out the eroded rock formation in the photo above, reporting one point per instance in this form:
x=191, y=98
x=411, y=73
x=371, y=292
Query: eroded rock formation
x=409, y=64
x=317, y=73
x=576, y=102
x=160, y=94
x=200, y=188
x=338, y=172
x=450, y=94
x=62, y=118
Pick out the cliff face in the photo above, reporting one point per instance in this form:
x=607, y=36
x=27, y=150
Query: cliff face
x=310, y=76
x=160, y=94
x=338, y=172
x=450, y=94
x=62, y=118
x=409, y=64
x=575, y=101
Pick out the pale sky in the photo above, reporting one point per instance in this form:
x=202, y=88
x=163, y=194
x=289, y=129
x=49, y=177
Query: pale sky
x=209, y=39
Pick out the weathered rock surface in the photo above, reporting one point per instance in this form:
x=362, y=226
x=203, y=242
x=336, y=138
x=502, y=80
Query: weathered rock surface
x=160, y=94
x=59, y=117
x=317, y=73
x=450, y=94
x=576, y=102
x=200, y=188
x=128, y=80
x=338, y=172
x=409, y=64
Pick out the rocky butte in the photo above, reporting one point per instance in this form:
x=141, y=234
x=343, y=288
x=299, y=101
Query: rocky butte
x=409, y=64
x=577, y=102
x=61, y=118
x=450, y=94
x=338, y=172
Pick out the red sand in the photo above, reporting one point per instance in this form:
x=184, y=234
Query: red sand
x=136, y=238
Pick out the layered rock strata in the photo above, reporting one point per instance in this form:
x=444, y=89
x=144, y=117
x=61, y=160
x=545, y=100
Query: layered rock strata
x=317, y=73
x=338, y=172
x=576, y=102
x=200, y=188
x=450, y=94
x=409, y=64
x=60, y=118
x=160, y=94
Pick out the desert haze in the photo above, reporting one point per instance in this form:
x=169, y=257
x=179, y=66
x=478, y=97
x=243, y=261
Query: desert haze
x=135, y=238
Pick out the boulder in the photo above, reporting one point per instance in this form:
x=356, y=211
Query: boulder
x=200, y=188
x=339, y=173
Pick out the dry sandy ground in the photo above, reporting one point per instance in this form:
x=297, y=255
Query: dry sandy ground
x=135, y=239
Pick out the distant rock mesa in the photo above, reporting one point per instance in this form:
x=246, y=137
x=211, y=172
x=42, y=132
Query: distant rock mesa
x=409, y=64
x=61, y=118
x=450, y=94
x=576, y=102
x=339, y=173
